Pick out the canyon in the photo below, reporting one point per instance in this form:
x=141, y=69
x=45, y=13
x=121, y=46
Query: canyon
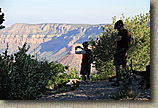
x=50, y=41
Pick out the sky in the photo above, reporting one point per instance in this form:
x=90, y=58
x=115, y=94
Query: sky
x=70, y=11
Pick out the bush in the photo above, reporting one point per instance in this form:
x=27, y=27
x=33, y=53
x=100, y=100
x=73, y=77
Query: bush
x=5, y=65
x=60, y=75
x=104, y=47
x=23, y=79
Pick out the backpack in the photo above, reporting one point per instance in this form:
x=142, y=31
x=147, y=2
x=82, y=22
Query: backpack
x=129, y=37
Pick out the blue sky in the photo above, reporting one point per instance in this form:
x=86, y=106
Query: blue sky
x=70, y=11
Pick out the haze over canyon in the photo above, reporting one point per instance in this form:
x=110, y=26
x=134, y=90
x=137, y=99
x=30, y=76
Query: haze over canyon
x=54, y=42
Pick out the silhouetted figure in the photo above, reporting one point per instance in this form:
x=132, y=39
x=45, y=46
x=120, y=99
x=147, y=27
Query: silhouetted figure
x=86, y=60
x=122, y=42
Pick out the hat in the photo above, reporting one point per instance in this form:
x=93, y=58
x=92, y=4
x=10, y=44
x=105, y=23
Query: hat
x=85, y=44
x=118, y=23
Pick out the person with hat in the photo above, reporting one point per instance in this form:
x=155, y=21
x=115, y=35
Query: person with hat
x=86, y=62
x=120, y=55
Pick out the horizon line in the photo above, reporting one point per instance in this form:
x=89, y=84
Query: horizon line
x=9, y=25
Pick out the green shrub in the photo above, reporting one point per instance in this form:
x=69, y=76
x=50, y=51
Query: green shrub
x=25, y=78
x=5, y=65
x=103, y=47
x=60, y=75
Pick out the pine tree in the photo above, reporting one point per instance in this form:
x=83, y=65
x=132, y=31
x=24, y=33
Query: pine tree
x=1, y=19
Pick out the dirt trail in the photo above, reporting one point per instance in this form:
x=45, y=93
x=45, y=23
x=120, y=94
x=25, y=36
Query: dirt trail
x=100, y=90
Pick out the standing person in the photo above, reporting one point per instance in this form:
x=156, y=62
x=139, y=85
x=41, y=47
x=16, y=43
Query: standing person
x=86, y=62
x=122, y=42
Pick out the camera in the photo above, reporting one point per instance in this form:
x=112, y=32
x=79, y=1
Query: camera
x=79, y=50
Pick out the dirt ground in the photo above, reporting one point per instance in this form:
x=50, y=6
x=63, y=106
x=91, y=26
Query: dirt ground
x=99, y=90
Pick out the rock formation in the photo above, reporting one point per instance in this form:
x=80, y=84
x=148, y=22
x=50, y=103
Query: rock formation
x=55, y=42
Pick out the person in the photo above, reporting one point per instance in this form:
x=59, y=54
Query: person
x=122, y=41
x=86, y=62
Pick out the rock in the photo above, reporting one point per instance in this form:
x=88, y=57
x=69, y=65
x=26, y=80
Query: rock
x=50, y=41
x=73, y=81
x=100, y=90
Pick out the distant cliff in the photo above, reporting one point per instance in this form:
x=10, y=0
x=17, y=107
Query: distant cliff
x=51, y=41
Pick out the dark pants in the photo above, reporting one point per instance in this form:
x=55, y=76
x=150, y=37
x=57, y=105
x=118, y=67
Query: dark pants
x=120, y=58
x=85, y=69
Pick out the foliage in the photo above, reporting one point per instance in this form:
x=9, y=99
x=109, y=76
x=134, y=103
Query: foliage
x=57, y=74
x=4, y=75
x=104, y=46
x=23, y=77
x=1, y=19
x=62, y=89
x=125, y=92
x=140, y=49
x=94, y=77
x=60, y=75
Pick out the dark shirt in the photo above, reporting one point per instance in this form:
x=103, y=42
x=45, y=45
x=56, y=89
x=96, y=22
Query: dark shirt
x=85, y=57
x=123, y=43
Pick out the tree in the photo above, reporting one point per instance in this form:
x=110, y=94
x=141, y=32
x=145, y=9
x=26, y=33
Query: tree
x=22, y=77
x=104, y=46
x=1, y=19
